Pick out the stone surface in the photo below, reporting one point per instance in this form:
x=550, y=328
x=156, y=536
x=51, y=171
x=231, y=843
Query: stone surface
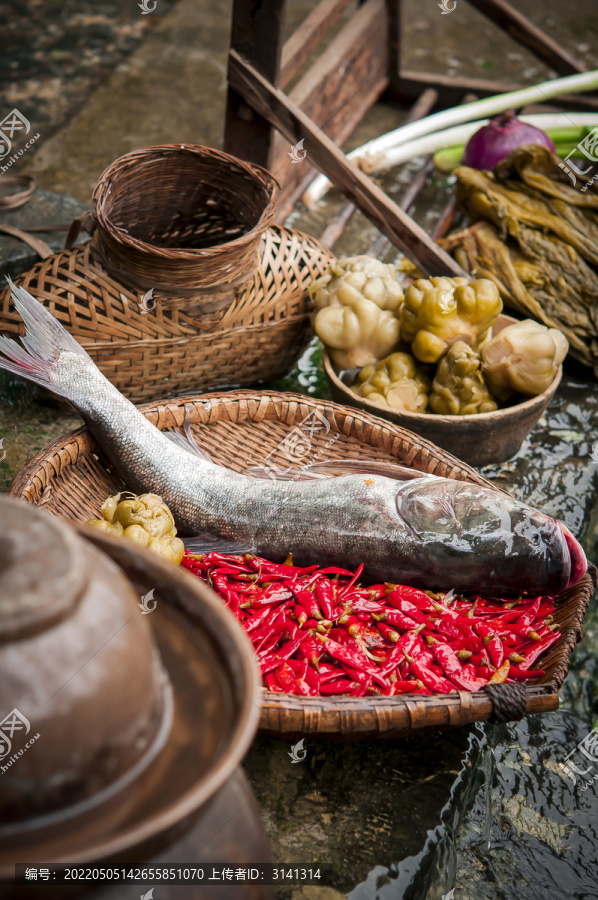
x=44, y=208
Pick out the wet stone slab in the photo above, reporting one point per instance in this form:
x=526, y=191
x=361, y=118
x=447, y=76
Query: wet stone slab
x=45, y=208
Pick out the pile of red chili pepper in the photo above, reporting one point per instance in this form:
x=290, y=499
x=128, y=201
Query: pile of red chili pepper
x=317, y=631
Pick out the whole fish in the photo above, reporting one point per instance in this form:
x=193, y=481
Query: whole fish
x=425, y=531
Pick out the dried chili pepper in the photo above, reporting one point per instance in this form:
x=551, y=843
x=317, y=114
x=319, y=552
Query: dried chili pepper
x=318, y=632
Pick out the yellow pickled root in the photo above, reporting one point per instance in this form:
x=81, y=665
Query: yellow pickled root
x=523, y=357
x=397, y=382
x=459, y=388
x=437, y=312
x=357, y=307
x=143, y=519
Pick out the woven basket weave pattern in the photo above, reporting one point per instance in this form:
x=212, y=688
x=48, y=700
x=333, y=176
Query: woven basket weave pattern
x=258, y=336
x=240, y=429
x=183, y=215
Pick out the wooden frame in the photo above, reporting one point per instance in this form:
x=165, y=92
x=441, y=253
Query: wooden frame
x=361, y=62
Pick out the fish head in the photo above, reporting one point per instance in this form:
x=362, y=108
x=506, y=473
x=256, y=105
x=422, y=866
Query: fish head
x=490, y=540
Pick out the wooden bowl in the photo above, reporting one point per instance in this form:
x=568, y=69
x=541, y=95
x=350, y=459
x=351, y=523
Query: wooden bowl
x=240, y=429
x=480, y=439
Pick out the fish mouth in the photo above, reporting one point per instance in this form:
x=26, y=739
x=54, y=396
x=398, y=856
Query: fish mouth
x=577, y=557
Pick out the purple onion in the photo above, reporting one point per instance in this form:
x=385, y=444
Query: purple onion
x=494, y=141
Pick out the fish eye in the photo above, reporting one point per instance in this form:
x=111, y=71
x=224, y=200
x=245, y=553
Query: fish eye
x=536, y=539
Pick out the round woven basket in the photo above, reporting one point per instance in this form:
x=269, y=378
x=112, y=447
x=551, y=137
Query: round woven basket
x=182, y=218
x=186, y=284
x=241, y=429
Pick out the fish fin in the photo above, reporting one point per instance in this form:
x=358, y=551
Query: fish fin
x=44, y=343
x=207, y=543
x=187, y=443
x=367, y=467
x=193, y=441
x=334, y=468
x=275, y=474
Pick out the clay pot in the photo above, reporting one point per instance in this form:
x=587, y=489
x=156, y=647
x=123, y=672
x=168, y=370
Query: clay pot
x=134, y=723
x=70, y=639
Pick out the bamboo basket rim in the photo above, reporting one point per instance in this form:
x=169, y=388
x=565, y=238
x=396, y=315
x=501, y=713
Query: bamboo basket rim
x=103, y=189
x=332, y=718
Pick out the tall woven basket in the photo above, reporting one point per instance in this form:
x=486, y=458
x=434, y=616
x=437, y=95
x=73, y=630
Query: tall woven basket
x=186, y=283
x=240, y=429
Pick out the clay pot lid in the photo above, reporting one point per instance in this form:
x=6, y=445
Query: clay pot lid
x=43, y=574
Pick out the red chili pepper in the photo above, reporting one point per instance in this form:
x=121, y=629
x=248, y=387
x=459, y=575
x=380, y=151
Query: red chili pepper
x=358, y=691
x=257, y=620
x=281, y=569
x=334, y=570
x=430, y=680
x=518, y=674
x=287, y=650
x=389, y=633
x=469, y=671
x=525, y=631
x=409, y=609
x=286, y=678
x=346, y=590
x=400, y=620
x=407, y=642
x=272, y=683
x=405, y=687
x=493, y=643
x=309, y=603
x=325, y=595
x=302, y=687
x=415, y=596
x=298, y=619
x=312, y=678
x=347, y=655
x=485, y=673
x=343, y=686
x=361, y=605
x=462, y=625
x=447, y=658
x=533, y=654
x=274, y=593
x=329, y=672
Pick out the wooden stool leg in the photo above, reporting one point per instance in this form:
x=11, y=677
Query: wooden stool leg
x=256, y=34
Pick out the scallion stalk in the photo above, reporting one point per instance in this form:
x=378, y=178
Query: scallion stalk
x=381, y=148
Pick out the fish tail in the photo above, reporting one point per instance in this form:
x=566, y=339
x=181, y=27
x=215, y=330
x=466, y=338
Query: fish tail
x=44, y=347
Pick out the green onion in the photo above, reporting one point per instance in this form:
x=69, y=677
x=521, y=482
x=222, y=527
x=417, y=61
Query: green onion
x=382, y=150
x=565, y=140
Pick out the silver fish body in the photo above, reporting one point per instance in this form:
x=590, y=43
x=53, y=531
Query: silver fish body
x=429, y=532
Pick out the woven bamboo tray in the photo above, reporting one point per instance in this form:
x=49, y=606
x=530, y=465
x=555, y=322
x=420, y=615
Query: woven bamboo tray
x=71, y=479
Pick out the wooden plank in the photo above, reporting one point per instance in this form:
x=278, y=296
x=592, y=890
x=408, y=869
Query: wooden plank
x=394, y=9
x=294, y=124
x=338, y=89
x=523, y=30
x=308, y=35
x=451, y=89
x=256, y=33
